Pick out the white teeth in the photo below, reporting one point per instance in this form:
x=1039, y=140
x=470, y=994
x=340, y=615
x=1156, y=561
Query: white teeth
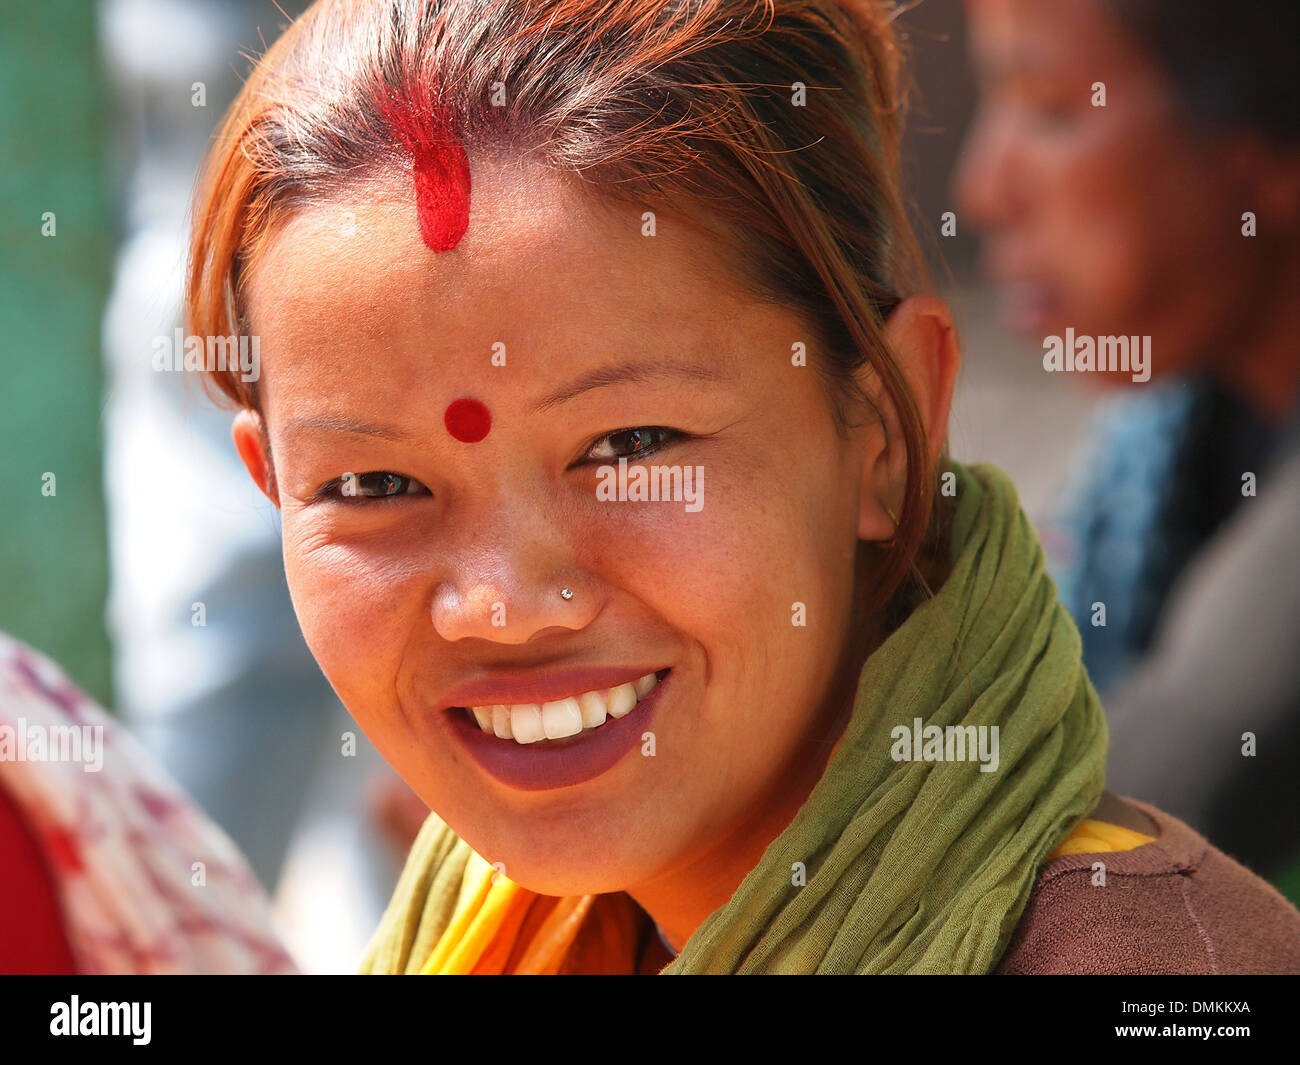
x=562, y=718
x=526, y=723
x=501, y=722
x=621, y=699
x=593, y=709
x=530, y=723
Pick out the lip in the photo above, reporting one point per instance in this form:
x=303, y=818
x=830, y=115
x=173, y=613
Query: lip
x=1029, y=302
x=1028, y=308
x=1005, y=260
x=551, y=764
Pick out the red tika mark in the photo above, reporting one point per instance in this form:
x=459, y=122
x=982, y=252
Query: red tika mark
x=468, y=420
x=442, y=195
x=441, y=170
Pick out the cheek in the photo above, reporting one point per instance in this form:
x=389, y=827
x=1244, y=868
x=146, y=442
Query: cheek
x=755, y=544
x=1103, y=218
x=1133, y=245
x=351, y=602
x=773, y=545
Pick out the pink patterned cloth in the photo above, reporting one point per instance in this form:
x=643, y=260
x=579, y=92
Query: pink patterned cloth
x=147, y=883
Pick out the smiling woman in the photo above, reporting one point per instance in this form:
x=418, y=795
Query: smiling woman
x=684, y=239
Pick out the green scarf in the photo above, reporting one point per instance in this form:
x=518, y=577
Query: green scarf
x=921, y=865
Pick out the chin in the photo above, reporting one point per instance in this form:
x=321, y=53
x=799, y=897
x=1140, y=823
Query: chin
x=526, y=850
x=579, y=863
x=544, y=877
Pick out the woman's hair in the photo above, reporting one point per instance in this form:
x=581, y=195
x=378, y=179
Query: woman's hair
x=1231, y=67
x=773, y=124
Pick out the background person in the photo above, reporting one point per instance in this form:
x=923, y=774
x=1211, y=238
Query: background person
x=1131, y=218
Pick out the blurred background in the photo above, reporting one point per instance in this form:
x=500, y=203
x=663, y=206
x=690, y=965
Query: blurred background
x=150, y=566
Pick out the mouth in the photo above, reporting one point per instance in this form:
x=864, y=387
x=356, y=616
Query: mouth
x=563, y=721
x=1028, y=301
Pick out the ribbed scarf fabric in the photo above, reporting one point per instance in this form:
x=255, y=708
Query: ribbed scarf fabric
x=890, y=866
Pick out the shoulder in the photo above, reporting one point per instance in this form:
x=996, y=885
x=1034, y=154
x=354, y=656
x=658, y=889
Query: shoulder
x=1178, y=905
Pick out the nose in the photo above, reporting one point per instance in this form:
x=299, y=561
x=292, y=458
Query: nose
x=989, y=174
x=510, y=587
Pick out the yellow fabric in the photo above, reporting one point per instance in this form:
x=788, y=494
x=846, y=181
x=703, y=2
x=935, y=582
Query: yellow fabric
x=1097, y=837
x=482, y=909
x=489, y=927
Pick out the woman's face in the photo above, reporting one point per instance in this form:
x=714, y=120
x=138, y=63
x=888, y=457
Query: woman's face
x=569, y=325
x=1109, y=219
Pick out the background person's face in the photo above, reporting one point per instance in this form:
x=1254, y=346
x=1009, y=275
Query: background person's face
x=359, y=322
x=1112, y=220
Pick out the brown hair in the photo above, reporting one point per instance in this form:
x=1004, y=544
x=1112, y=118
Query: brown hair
x=688, y=103
x=1230, y=69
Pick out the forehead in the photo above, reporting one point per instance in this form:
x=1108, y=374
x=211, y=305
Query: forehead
x=532, y=232
x=1011, y=37
x=545, y=267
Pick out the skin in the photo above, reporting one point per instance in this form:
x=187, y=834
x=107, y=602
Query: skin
x=394, y=595
x=1123, y=219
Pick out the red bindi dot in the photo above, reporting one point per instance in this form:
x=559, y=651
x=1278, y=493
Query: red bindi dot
x=468, y=420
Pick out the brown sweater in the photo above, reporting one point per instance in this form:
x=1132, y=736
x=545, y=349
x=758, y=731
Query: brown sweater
x=1178, y=905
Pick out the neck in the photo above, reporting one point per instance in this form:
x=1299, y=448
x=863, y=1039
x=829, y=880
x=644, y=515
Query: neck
x=680, y=901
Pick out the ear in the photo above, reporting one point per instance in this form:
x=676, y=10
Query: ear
x=922, y=338
x=249, y=434
x=1270, y=177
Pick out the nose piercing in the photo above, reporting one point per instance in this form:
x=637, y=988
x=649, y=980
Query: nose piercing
x=565, y=593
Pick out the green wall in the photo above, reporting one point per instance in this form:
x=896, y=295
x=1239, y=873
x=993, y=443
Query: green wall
x=53, y=116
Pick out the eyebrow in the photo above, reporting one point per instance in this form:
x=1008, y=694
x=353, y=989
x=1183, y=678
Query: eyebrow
x=1008, y=62
x=333, y=424
x=624, y=374
x=614, y=374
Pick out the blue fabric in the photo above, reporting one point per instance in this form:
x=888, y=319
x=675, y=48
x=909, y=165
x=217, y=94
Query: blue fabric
x=1163, y=472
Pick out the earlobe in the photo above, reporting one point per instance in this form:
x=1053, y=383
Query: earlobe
x=249, y=435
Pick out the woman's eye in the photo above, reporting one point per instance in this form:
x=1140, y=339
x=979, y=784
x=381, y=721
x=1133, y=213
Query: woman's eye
x=379, y=484
x=631, y=443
